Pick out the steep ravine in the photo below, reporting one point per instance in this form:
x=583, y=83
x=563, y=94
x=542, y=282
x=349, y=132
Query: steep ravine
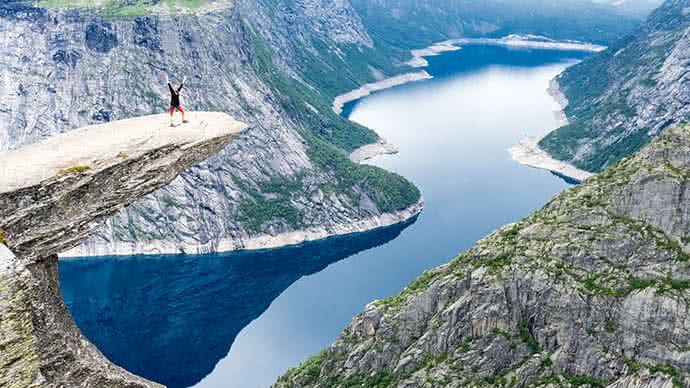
x=592, y=290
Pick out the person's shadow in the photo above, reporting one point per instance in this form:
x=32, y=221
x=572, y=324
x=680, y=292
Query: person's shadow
x=172, y=318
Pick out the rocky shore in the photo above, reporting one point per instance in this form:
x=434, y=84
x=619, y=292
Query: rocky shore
x=264, y=241
x=369, y=151
x=367, y=89
x=529, y=153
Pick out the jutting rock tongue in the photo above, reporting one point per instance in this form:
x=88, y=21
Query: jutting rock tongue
x=52, y=195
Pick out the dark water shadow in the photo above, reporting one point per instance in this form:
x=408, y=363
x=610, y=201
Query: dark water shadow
x=171, y=318
x=566, y=179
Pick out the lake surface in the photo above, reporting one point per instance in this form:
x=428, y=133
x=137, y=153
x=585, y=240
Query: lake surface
x=241, y=319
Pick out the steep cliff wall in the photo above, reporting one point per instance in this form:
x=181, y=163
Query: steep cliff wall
x=592, y=290
x=65, y=68
x=627, y=95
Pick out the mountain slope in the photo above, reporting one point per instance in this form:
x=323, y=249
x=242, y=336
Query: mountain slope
x=275, y=64
x=407, y=23
x=592, y=290
x=621, y=98
x=286, y=173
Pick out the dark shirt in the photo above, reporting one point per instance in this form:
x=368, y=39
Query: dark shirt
x=175, y=95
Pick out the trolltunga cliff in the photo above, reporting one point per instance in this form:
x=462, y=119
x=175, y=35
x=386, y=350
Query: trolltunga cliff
x=53, y=194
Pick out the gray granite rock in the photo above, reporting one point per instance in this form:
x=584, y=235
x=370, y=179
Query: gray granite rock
x=593, y=289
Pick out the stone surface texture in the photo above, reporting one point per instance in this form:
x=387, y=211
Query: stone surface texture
x=592, y=290
x=55, y=208
x=68, y=68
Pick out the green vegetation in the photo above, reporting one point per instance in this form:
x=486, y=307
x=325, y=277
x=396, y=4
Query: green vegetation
x=308, y=371
x=528, y=338
x=578, y=381
x=599, y=91
x=562, y=145
x=122, y=155
x=418, y=285
x=391, y=191
x=271, y=200
x=670, y=371
x=310, y=107
x=330, y=138
x=3, y=237
x=76, y=170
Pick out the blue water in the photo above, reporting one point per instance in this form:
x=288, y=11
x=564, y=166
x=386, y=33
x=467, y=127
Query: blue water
x=241, y=319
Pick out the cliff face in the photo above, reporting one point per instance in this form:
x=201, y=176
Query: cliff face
x=623, y=97
x=66, y=68
x=590, y=290
x=52, y=195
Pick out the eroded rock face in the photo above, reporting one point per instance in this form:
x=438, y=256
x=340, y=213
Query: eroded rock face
x=52, y=195
x=621, y=98
x=42, y=346
x=592, y=289
x=55, y=193
x=70, y=68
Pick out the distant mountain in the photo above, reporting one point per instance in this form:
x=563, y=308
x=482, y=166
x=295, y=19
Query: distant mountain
x=408, y=22
x=623, y=97
x=632, y=7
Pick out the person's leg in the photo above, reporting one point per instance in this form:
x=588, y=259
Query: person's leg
x=172, y=110
x=181, y=112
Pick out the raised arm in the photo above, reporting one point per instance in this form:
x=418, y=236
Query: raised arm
x=181, y=85
x=172, y=91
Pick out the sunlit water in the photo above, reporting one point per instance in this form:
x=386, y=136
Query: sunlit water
x=241, y=319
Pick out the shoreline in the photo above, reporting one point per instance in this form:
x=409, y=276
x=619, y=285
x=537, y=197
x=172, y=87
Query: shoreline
x=369, y=151
x=367, y=89
x=252, y=243
x=528, y=153
x=418, y=60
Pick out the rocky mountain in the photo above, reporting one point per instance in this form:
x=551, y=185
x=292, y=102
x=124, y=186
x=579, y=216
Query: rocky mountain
x=274, y=64
x=71, y=67
x=421, y=21
x=623, y=97
x=592, y=290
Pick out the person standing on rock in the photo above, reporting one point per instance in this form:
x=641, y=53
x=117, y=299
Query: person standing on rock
x=175, y=101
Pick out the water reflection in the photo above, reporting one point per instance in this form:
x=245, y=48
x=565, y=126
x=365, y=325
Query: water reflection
x=171, y=318
x=174, y=318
